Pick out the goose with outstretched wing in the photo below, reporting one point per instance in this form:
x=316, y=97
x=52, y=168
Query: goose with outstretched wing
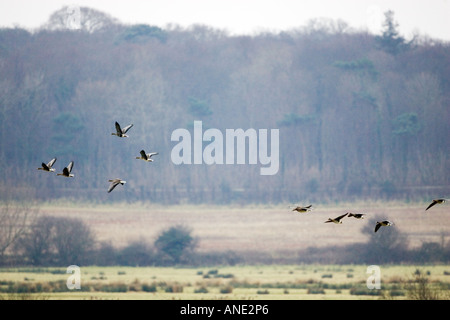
x=384, y=223
x=147, y=156
x=115, y=183
x=121, y=132
x=337, y=220
x=67, y=171
x=48, y=166
x=303, y=209
x=356, y=215
x=434, y=202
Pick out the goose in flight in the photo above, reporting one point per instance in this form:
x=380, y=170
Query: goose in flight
x=356, y=215
x=67, y=171
x=114, y=183
x=337, y=220
x=48, y=166
x=303, y=209
x=384, y=223
x=435, y=201
x=146, y=156
x=121, y=132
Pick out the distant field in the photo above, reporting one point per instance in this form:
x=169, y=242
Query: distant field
x=259, y=228
x=268, y=229
x=274, y=282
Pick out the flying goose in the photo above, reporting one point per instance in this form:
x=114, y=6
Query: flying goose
x=66, y=171
x=435, y=201
x=146, y=156
x=384, y=223
x=336, y=220
x=303, y=209
x=48, y=166
x=114, y=183
x=356, y=215
x=121, y=132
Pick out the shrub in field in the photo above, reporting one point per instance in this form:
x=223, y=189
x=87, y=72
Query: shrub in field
x=363, y=291
x=265, y=291
x=315, y=290
x=215, y=273
x=135, y=286
x=226, y=289
x=201, y=290
x=115, y=287
x=243, y=284
x=396, y=293
x=225, y=275
x=175, y=242
x=148, y=287
x=136, y=254
x=174, y=288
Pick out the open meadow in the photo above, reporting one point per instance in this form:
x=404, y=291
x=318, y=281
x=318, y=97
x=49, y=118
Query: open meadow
x=272, y=229
x=262, y=282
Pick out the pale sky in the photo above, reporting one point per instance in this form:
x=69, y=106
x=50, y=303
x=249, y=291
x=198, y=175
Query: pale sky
x=430, y=17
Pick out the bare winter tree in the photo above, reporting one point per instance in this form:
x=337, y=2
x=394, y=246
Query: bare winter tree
x=421, y=288
x=14, y=219
x=36, y=242
x=79, y=18
x=72, y=239
x=57, y=240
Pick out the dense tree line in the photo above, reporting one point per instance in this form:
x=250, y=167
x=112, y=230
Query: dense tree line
x=359, y=115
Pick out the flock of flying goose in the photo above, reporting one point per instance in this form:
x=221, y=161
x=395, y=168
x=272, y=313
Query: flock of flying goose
x=120, y=132
x=378, y=225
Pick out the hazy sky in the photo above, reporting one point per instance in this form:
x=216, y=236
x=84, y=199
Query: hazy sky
x=428, y=17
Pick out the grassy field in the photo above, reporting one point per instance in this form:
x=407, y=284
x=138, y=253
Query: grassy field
x=274, y=282
x=271, y=229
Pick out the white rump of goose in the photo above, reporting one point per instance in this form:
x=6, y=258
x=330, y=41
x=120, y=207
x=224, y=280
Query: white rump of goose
x=67, y=171
x=114, y=183
x=48, y=166
x=147, y=156
x=121, y=132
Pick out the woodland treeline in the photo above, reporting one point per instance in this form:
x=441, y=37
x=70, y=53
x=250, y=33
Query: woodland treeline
x=359, y=115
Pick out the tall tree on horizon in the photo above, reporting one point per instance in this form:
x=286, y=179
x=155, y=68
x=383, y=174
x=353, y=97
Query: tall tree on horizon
x=391, y=41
